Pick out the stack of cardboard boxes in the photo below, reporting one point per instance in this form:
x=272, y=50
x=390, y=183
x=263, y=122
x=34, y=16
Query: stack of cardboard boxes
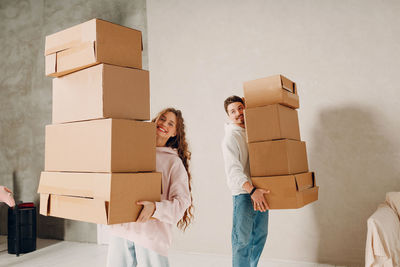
x=278, y=158
x=99, y=153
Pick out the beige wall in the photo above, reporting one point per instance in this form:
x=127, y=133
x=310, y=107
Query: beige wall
x=345, y=57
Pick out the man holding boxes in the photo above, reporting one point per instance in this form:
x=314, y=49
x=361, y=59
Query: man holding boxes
x=250, y=208
x=277, y=155
x=262, y=149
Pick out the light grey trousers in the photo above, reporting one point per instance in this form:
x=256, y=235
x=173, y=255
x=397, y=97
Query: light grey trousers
x=124, y=253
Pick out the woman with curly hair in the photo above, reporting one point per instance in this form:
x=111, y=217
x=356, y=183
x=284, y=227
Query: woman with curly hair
x=146, y=241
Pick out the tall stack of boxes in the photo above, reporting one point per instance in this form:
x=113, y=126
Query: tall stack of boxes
x=100, y=154
x=278, y=158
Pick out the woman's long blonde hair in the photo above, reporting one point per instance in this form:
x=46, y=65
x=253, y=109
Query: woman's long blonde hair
x=179, y=142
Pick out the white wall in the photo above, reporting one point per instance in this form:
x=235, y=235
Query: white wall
x=345, y=57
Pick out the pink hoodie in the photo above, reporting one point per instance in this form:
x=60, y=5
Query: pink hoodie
x=175, y=199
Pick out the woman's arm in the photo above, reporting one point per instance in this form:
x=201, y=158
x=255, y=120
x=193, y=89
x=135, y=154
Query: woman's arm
x=178, y=199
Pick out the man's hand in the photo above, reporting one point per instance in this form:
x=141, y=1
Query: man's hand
x=259, y=201
x=147, y=211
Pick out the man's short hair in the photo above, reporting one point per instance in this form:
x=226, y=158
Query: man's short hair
x=230, y=100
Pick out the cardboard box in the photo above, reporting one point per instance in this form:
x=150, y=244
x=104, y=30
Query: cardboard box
x=270, y=123
x=288, y=192
x=102, y=91
x=106, y=145
x=104, y=198
x=280, y=157
x=271, y=90
x=92, y=42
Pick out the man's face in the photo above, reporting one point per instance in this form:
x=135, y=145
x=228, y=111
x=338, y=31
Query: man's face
x=235, y=112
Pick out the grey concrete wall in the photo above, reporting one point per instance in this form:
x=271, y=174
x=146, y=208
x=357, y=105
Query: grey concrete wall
x=25, y=92
x=345, y=57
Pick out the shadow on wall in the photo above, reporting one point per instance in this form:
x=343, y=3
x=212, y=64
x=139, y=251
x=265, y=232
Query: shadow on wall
x=355, y=166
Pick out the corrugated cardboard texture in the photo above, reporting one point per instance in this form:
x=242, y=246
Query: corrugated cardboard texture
x=102, y=91
x=104, y=198
x=275, y=89
x=106, y=145
x=270, y=123
x=279, y=157
x=285, y=192
x=95, y=41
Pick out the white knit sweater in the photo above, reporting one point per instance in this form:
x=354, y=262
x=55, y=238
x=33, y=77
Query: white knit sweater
x=236, y=158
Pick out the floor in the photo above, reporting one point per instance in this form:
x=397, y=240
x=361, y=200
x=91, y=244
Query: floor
x=53, y=253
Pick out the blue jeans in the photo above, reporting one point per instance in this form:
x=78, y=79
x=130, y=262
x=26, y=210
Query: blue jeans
x=124, y=253
x=249, y=232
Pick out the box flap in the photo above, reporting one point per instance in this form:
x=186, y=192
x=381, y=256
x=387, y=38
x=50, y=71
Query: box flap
x=288, y=85
x=76, y=208
x=304, y=180
x=44, y=204
x=51, y=64
x=70, y=37
x=82, y=56
x=290, y=100
x=310, y=195
x=92, y=185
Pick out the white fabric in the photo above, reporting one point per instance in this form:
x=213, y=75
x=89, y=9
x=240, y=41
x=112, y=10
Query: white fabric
x=383, y=236
x=393, y=200
x=236, y=158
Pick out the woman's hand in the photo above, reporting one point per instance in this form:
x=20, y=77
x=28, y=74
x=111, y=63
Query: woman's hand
x=6, y=196
x=147, y=211
x=259, y=201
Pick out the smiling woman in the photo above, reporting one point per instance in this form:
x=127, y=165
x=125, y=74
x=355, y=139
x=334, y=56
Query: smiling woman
x=147, y=240
x=166, y=127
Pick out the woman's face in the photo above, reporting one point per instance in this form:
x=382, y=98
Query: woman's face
x=166, y=125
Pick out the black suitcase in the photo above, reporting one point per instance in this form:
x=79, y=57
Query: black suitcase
x=21, y=228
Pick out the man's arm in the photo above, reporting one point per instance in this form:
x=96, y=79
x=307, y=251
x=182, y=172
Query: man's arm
x=235, y=172
x=233, y=167
x=259, y=201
